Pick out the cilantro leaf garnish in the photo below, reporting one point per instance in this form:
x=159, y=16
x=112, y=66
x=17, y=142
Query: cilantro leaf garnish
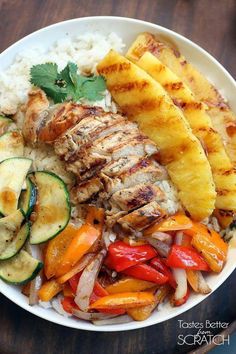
x=67, y=84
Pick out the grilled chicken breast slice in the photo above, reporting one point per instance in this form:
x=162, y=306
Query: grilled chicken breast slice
x=146, y=170
x=65, y=116
x=37, y=112
x=84, y=191
x=93, y=157
x=85, y=132
x=141, y=218
x=134, y=197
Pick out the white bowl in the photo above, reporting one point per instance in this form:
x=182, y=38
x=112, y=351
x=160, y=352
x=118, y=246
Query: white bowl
x=128, y=29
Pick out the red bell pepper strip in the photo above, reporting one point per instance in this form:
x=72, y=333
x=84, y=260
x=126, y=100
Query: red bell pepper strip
x=162, y=268
x=146, y=272
x=122, y=256
x=187, y=258
x=68, y=304
x=74, y=282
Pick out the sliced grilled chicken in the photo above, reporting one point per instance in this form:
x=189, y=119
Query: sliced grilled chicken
x=35, y=116
x=84, y=191
x=141, y=218
x=112, y=160
x=65, y=116
x=146, y=170
x=137, y=196
x=85, y=132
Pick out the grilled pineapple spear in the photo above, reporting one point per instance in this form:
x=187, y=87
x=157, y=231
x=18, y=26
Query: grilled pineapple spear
x=224, y=174
x=223, y=119
x=146, y=102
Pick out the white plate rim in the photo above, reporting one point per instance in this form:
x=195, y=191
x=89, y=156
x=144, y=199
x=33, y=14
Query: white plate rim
x=45, y=314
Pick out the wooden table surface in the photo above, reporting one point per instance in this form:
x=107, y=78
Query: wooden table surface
x=209, y=23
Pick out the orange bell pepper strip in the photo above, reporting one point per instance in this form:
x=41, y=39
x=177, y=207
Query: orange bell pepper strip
x=78, y=267
x=49, y=289
x=173, y=223
x=129, y=284
x=96, y=217
x=143, y=312
x=98, y=292
x=124, y=300
x=55, y=249
x=210, y=244
x=79, y=245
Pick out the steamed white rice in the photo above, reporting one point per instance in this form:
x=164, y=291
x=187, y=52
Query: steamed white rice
x=85, y=50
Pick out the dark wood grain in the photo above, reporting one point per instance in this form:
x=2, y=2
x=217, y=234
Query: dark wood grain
x=209, y=23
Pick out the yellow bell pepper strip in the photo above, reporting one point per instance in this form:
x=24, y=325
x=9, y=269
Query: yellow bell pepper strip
x=143, y=312
x=79, y=245
x=173, y=223
x=95, y=217
x=210, y=244
x=78, y=267
x=49, y=289
x=124, y=300
x=129, y=284
x=55, y=249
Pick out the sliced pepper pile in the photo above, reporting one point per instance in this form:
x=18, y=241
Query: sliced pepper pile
x=138, y=276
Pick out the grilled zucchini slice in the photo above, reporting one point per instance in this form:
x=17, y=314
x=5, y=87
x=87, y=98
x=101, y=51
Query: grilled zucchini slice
x=12, y=175
x=20, y=269
x=9, y=227
x=11, y=145
x=28, y=197
x=16, y=244
x=52, y=208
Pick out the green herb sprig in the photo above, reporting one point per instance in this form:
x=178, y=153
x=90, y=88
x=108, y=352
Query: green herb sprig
x=67, y=84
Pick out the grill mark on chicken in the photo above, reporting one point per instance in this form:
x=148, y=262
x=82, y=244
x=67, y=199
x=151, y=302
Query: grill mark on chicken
x=135, y=197
x=113, y=161
x=84, y=133
x=143, y=217
x=85, y=190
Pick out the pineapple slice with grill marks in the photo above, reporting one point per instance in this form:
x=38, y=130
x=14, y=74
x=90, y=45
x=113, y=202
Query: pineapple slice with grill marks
x=222, y=117
x=224, y=174
x=146, y=102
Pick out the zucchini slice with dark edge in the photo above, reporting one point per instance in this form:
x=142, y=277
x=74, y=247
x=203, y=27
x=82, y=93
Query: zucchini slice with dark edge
x=28, y=198
x=4, y=124
x=11, y=145
x=9, y=227
x=16, y=244
x=12, y=175
x=52, y=207
x=20, y=269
